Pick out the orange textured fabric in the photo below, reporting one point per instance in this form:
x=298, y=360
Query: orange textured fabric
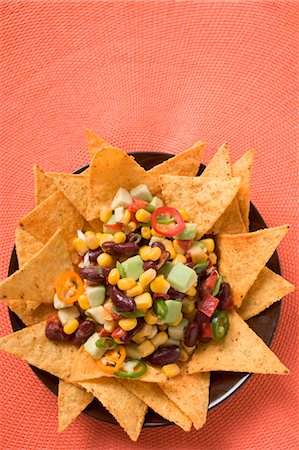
x=151, y=75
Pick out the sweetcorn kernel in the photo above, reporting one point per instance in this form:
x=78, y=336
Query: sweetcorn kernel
x=105, y=214
x=160, y=285
x=171, y=370
x=131, y=227
x=104, y=260
x=143, y=301
x=106, y=237
x=191, y=292
x=80, y=246
x=209, y=243
x=147, y=277
x=113, y=277
x=178, y=321
x=151, y=318
x=198, y=256
x=92, y=241
x=145, y=252
x=155, y=234
x=110, y=326
x=146, y=348
x=135, y=290
x=71, y=326
x=128, y=324
x=83, y=302
x=126, y=217
x=213, y=258
x=179, y=259
x=119, y=237
x=188, y=308
x=126, y=283
x=169, y=247
x=143, y=216
x=146, y=232
x=159, y=339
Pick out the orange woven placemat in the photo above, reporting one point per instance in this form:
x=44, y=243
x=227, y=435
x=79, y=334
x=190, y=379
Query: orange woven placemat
x=151, y=75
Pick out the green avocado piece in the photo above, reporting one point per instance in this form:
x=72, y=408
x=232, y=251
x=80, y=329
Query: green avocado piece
x=165, y=269
x=188, y=233
x=133, y=267
x=91, y=348
x=181, y=277
x=173, y=311
x=197, y=244
x=96, y=295
x=156, y=202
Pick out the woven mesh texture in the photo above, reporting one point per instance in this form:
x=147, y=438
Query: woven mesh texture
x=156, y=76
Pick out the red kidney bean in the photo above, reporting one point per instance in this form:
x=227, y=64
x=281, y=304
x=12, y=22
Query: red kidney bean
x=93, y=254
x=93, y=274
x=54, y=330
x=121, y=301
x=161, y=297
x=129, y=334
x=205, y=335
x=175, y=295
x=191, y=334
x=201, y=318
x=157, y=264
x=83, y=332
x=149, y=265
x=164, y=355
x=225, y=297
x=158, y=244
x=126, y=249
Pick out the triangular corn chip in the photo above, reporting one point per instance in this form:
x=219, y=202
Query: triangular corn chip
x=242, y=257
x=191, y=394
x=185, y=163
x=86, y=368
x=242, y=169
x=30, y=316
x=240, y=351
x=26, y=246
x=204, y=200
x=31, y=345
x=231, y=221
x=219, y=166
x=111, y=169
x=54, y=213
x=94, y=142
x=72, y=400
x=126, y=408
x=267, y=289
x=35, y=281
x=155, y=398
x=43, y=186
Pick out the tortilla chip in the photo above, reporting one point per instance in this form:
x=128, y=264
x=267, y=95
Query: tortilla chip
x=126, y=408
x=30, y=316
x=155, y=398
x=240, y=351
x=191, y=394
x=111, y=169
x=43, y=186
x=242, y=257
x=219, y=166
x=26, y=246
x=54, y=213
x=185, y=163
x=86, y=368
x=242, y=169
x=267, y=289
x=94, y=142
x=231, y=221
x=35, y=281
x=72, y=400
x=204, y=200
x=31, y=345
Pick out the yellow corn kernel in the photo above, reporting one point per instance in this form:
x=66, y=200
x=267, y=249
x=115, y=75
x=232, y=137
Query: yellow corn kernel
x=147, y=277
x=213, y=258
x=178, y=321
x=128, y=324
x=83, y=302
x=169, y=247
x=183, y=355
x=143, y=301
x=171, y=370
x=188, y=308
x=163, y=327
x=113, y=277
x=191, y=316
x=106, y=237
x=126, y=217
x=126, y=283
x=191, y=292
x=143, y=216
x=119, y=237
x=146, y=232
x=135, y=290
x=179, y=259
x=130, y=227
x=184, y=215
x=88, y=233
x=159, y=339
x=138, y=338
x=209, y=244
x=151, y=318
x=155, y=253
x=155, y=234
x=110, y=326
x=198, y=256
x=105, y=214
x=145, y=252
x=160, y=285
x=80, y=246
x=146, y=348
x=177, y=247
x=99, y=236
x=92, y=241
x=104, y=260
x=71, y=326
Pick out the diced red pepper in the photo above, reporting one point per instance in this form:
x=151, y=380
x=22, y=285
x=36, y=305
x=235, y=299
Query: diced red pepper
x=118, y=333
x=114, y=226
x=206, y=331
x=185, y=245
x=104, y=333
x=138, y=203
x=208, y=305
x=210, y=282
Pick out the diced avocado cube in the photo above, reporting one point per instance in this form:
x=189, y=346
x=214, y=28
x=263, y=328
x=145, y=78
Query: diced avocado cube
x=58, y=304
x=178, y=331
x=181, y=277
x=165, y=269
x=142, y=191
x=67, y=314
x=133, y=267
x=188, y=233
x=91, y=348
x=97, y=313
x=156, y=239
x=96, y=295
x=173, y=311
x=156, y=202
x=121, y=198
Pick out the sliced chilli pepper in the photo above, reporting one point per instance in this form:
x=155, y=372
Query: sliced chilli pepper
x=165, y=220
x=201, y=267
x=118, y=333
x=220, y=325
x=150, y=208
x=139, y=369
x=175, y=227
x=217, y=286
x=69, y=286
x=112, y=360
x=160, y=308
x=206, y=332
x=210, y=282
x=114, y=226
x=208, y=305
x=129, y=314
x=106, y=343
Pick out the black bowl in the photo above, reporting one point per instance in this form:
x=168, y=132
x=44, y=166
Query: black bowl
x=223, y=384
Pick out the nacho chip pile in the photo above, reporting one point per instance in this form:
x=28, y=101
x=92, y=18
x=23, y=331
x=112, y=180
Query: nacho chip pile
x=218, y=201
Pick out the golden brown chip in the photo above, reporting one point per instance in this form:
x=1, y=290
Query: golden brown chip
x=204, y=200
x=219, y=166
x=267, y=289
x=191, y=394
x=31, y=345
x=240, y=351
x=242, y=257
x=185, y=163
x=54, y=213
x=35, y=281
x=30, y=316
x=242, y=169
x=128, y=410
x=72, y=400
x=94, y=142
x=43, y=186
x=26, y=246
x=231, y=221
x=156, y=399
